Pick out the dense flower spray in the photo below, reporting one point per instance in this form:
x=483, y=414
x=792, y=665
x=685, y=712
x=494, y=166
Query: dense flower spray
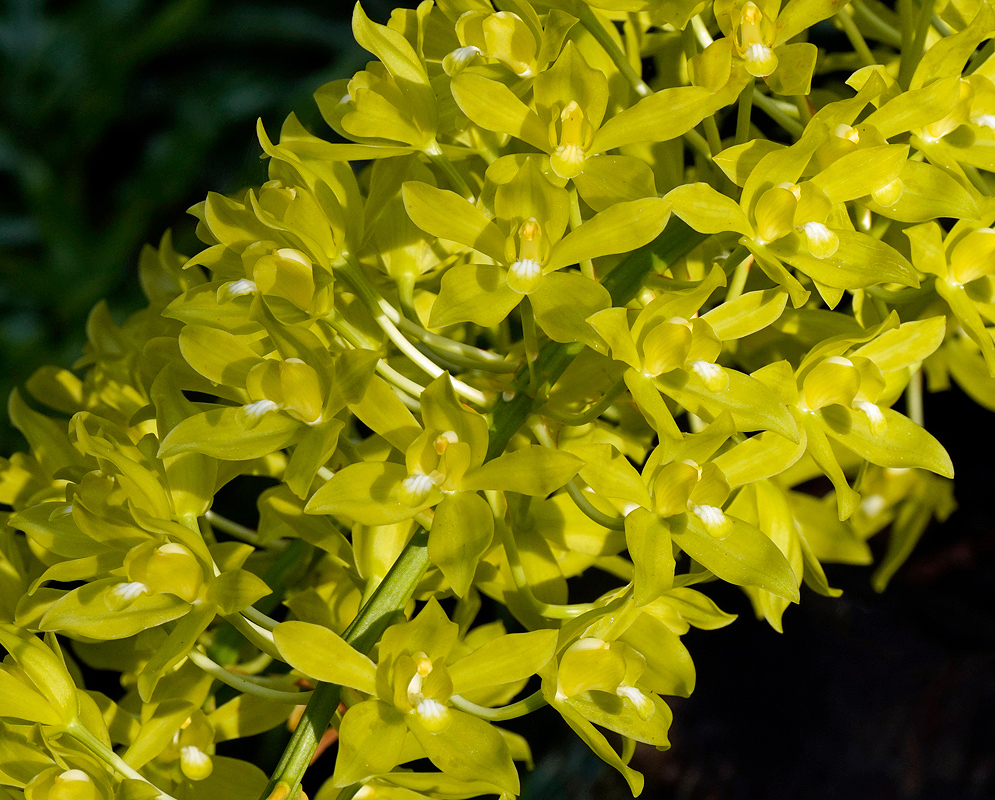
x=583, y=285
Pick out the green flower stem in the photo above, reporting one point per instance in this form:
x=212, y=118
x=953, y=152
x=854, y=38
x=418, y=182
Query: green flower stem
x=589, y=20
x=233, y=528
x=875, y=26
x=474, y=357
x=257, y=635
x=913, y=54
x=701, y=31
x=744, y=110
x=778, y=112
x=576, y=220
x=697, y=143
x=590, y=414
x=228, y=641
x=906, y=14
x=439, y=159
x=913, y=399
x=612, y=523
x=511, y=711
x=405, y=284
x=83, y=735
x=712, y=135
x=980, y=56
x=804, y=107
x=531, y=339
x=977, y=179
x=511, y=409
x=256, y=665
x=547, y=610
x=464, y=355
x=941, y=27
x=245, y=684
x=845, y=17
x=257, y=617
x=387, y=601
x=354, y=275
x=407, y=387
x=740, y=261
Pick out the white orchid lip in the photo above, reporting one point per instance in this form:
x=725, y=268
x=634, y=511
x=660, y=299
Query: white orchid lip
x=715, y=520
x=415, y=488
x=456, y=61
x=195, y=763
x=433, y=715
x=255, y=411
x=238, y=288
x=124, y=594
x=873, y=504
x=874, y=415
x=524, y=275
x=644, y=706
x=712, y=375
x=822, y=242
x=760, y=60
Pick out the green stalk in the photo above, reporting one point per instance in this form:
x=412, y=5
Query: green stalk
x=743, y=113
x=912, y=55
x=590, y=414
x=524, y=706
x=592, y=513
x=913, y=399
x=82, y=734
x=776, y=112
x=439, y=159
x=875, y=26
x=590, y=21
x=373, y=619
x=857, y=41
x=245, y=684
x=531, y=340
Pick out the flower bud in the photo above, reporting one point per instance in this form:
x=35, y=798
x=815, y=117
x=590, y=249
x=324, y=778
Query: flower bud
x=589, y=664
x=672, y=487
x=287, y=274
x=833, y=380
x=57, y=784
x=173, y=569
x=666, y=346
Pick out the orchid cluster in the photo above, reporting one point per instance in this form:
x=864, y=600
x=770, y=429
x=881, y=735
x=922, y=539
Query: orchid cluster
x=625, y=287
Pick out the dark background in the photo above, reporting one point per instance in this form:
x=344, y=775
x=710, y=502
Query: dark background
x=117, y=115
